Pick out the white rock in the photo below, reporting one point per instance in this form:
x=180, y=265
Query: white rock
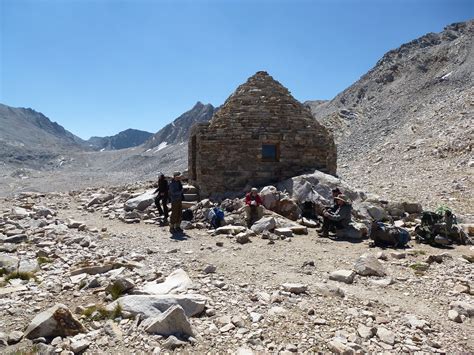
x=386, y=335
x=140, y=202
x=367, y=265
x=264, y=224
x=454, y=316
x=171, y=322
x=177, y=281
x=154, y=305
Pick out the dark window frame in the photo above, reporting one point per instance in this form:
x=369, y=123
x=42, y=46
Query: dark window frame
x=272, y=159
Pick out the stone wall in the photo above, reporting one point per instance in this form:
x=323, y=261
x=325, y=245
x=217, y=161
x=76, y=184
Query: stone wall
x=226, y=153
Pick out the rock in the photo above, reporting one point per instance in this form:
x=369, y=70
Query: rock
x=172, y=343
x=365, y=332
x=386, y=335
x=412, y=207
x=264, y=224
x=172, y=322
x=368, y=265
x=16, y=239
x=329, y=290
x=120, y=286
x=28, y=265
x=15, y=337
x=3, y=339
x=309, y=223
x=346, y=276
x=79, y=345
x=242, y=238
x=270, y=196
x=55, y=321
x=299, y=229
x=19, y=213
x=152, y=306
x=295, y=288
x=92, y=270
x=454, y=316
x=8, y=263
x=414, y=322
x=141, y=202
x=382, y=282
x=230, y=229
x=255, y=317
x=377, y=213
x=177, y=281
x=99, y=199
x=464, y=308
x=73, y=224
x=209, y=269
x=285, y=232
x=398, y=255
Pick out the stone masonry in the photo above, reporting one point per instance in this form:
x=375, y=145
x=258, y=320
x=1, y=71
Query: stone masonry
x=261, y=135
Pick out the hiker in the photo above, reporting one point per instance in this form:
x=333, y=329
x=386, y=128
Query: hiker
x=162, y=197
x=176, y=196
x=253, y=206
x=216, y=217
x=338, y=219
x=335, y=192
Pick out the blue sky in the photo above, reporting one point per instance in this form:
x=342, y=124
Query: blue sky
x=100, y=66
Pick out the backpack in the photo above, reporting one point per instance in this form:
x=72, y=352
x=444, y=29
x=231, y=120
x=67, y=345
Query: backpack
x=188, y=215
x=386, y=235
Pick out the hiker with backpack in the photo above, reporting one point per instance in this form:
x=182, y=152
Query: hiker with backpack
x=339, y=219
x=161, y=198
x=253, y=206
x=175, y=191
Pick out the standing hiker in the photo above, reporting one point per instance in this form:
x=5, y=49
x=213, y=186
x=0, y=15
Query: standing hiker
x=253, y=206
x=176, y=197
x=162, y=198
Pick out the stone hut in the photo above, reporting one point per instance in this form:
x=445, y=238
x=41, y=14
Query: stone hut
x=261, y=135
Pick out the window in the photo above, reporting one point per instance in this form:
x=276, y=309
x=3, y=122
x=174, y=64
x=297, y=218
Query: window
x=270, y=152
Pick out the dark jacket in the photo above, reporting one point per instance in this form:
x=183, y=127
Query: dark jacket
x=342, y=215
x=175, y=191
x=162, y=189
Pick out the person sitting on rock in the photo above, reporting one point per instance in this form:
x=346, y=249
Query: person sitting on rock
x=338, y=219
x=253, y=206
x=162, y=198
x=176, y=196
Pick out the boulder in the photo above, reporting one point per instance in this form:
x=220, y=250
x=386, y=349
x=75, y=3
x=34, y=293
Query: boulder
x=270, y=197
x=8, y=263
x=177, y=281
x=377, y=213
x=19, y=213
x=154, y=305
x=386, y=335
x=264, y=224
x=120, y=286
x=368, y=265
x=28, y=265
x=172, y=322
x=141, y=202
x=346, y=276
x=309, y=223
x=55, y=321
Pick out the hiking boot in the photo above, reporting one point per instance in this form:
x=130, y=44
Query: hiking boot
x=172, y=229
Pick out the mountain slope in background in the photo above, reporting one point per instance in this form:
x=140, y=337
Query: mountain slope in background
x=178, y=131
x=28, y=137
x=405, y=129
x=125, y=139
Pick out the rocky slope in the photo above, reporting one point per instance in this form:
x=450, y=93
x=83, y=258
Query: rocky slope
x=178, y=131
x=405, y=129
x=125, y=139
x=27, y=137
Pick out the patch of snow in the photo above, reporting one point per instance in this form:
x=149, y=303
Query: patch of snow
x=444, y=77
x=147, y=150
x=102, y=149
x=161, y=146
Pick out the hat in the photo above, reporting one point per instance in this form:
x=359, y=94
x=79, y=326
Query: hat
x=343, y=198
x=176, y=174
x=254, y=189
